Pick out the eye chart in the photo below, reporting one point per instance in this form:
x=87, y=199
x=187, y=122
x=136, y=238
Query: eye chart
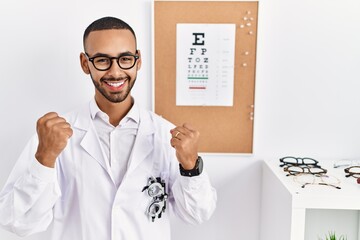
x=205, y=64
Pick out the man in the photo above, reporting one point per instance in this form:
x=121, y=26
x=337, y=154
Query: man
x=108, y=170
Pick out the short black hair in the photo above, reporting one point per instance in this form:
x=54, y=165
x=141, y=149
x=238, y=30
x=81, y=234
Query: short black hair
x=107, y=23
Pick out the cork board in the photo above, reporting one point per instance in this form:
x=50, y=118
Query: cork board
x=222, y=129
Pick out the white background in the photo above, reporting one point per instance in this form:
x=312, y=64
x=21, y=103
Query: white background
x=307, y=99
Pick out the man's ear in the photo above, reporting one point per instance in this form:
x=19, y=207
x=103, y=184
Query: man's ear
x=84, y=63
x=139, y=61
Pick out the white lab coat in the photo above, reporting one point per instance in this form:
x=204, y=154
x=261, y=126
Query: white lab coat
x=78, y=198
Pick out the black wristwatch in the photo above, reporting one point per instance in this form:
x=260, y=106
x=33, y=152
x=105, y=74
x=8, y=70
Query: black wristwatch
x=196, y=171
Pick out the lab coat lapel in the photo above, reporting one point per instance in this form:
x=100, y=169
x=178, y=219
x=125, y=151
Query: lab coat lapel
x=90, y=141
x=144, y=142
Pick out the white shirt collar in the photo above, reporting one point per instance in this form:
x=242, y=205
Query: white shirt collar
x=133, y=114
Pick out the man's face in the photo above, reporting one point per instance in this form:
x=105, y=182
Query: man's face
x=115, y=83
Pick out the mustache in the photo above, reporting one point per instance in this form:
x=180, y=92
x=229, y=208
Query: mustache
x=113, y=79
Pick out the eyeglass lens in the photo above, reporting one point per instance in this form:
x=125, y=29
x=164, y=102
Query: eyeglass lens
x=155, y=190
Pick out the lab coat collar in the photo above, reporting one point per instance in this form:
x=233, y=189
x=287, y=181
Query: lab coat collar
x=90, y=141
x=143, y=146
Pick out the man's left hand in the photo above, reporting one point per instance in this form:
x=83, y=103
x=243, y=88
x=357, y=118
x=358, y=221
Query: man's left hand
x=185, y=140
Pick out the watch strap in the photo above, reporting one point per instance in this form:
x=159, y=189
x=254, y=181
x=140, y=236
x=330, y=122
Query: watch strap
x=196, y=171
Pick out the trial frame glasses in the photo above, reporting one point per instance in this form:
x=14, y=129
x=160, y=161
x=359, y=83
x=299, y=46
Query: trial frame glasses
x=103, y=62
x=157, y=190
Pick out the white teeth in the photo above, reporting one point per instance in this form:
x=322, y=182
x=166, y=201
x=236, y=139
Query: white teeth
x=115, y=84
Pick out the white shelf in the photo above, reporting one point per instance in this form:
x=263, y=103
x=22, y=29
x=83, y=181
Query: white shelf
x=285, y=202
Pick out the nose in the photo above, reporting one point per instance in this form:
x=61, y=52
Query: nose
x=115, y=69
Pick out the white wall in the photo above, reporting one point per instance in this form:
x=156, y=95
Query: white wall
x=306, y=89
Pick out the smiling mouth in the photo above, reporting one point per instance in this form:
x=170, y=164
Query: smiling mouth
x=115, y=84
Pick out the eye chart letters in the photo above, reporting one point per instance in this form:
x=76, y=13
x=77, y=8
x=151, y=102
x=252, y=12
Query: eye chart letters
x=205, y=64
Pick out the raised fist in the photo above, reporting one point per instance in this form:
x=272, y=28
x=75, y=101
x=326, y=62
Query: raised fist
x=53, y=133
x=185, y=140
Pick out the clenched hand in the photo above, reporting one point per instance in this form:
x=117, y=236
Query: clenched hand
x=185, y=140
x=53, y=133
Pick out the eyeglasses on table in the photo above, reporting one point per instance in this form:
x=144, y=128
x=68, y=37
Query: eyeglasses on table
x=353, y=171
x=301, y=169
x=289, y=160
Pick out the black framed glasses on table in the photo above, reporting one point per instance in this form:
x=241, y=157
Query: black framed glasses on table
x=291, y=161
x=307, y=171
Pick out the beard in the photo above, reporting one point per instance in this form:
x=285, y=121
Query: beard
x=114, y=97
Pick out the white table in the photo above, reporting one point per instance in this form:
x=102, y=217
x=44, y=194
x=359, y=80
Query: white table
x=284, y=202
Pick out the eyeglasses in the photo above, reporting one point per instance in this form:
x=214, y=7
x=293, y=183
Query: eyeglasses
x=103, y=62
x=353, y=171
x=286, y=161
x=307, y=171
x=346, y=163
x=300, y=169
x=322, y=180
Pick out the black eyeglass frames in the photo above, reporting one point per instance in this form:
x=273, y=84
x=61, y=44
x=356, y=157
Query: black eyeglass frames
x=103, y=62
x=353, y=171
x=286, y=161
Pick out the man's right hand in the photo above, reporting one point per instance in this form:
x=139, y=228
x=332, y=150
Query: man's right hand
x=53, y=133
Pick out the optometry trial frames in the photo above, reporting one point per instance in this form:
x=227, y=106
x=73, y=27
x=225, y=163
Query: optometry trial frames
x=157, y=190
x=103, y=62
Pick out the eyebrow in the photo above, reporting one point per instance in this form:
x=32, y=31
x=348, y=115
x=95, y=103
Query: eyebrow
x=98, y=54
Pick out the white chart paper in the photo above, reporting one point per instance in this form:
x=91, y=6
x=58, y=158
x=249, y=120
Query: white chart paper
x=205, y=64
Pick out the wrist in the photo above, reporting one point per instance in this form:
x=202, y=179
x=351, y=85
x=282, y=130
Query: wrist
x=45, y=159
x=188, y=165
